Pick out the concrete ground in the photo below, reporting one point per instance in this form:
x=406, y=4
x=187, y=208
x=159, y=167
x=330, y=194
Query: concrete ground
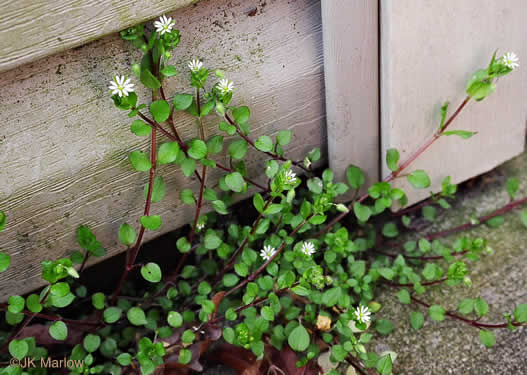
x=451, y=347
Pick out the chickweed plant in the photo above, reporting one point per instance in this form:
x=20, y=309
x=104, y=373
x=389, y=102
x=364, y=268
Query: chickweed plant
x=297, y=283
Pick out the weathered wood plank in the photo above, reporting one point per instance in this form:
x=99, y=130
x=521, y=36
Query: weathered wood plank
x=429, y=50
x=64, y=146
x=351, y=69
x=31, y=29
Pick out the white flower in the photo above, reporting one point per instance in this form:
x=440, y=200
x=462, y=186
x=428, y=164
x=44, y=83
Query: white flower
x=308, y=248
x=267, y=252
x=362, y=314
x=200, y=226
x=195, y=65
x=510, y=60
x=121, y=85
x=290, y=177
x=164, y=25
x=225, y=86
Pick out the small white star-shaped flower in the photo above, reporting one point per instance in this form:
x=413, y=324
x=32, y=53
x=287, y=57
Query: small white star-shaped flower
x=510, y=60
x=308, y=248
x=362, y=314
x=267, y=252
x=290, y=177
x=164, y=25
x=200, y=226
x=121, y=85
x=225, y=86
x=195, y=65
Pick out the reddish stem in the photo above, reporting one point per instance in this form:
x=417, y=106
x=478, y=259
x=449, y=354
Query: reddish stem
x=472, y=322
x=426, y=283
x=270, y=154
x=402, y=167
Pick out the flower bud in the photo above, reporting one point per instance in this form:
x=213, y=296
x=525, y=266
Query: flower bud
x=467, y=281
x=136, y=69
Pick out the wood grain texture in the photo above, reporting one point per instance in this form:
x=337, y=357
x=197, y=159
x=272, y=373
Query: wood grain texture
x=429, y=50
x=351, y=69
x=31, y=29
x=64, y=146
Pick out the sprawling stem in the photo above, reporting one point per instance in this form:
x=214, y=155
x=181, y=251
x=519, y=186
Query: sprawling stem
x=401, y=168
x=132, y=252
x=52, y=318
x=250, y=141
x=472, y=322
x=470, y=224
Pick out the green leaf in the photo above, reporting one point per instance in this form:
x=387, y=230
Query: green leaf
x=444, y=109
x=390, y=230
x=160, y=110
x=419, y=179
x=139, y=161
x=187, y=197
x=140, y=128
x=182, y=101
x=5, y=261
x=520, y=313
x=98, y=300
x=3, y=219
x=465, y=306
x=235, y=182
x=264, y=143
x=481, y=307
x=429, y=213
x=436, y=312
x=465, y=134
x=392, y=159
x=183, y=245
x=127, y=235
x=151, y=272
x=384, y=326
x=267, y=313
x=188, y=166
x=158, y=191
x=91, y=342
x=212, y=241
x=284, y=137
x=185, y=356
x=495, y=221
x=299, y=339
x=124, y=359
x=168, y=153
x=258, y=202
x=197, y=149
x=238, y=149
x=512, y=186
x=417, y=320
x=33, y=303
x=169, y=71
x=355, y=177
x=151, y=222
x=387, y=273
x=136, y=316
x=58, y=331
x=175, y=319
x=16, y=304
x=149, y=80
x=215, y=144
x=487, y=338
x=523, y=217
x=241, y=114
x=384, y=365
x=18, y=349
x=362, y=212
x=112, y=314
x=220, y=207
x=404, y=296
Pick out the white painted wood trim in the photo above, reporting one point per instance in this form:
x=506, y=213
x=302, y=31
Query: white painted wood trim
x=351, y=66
